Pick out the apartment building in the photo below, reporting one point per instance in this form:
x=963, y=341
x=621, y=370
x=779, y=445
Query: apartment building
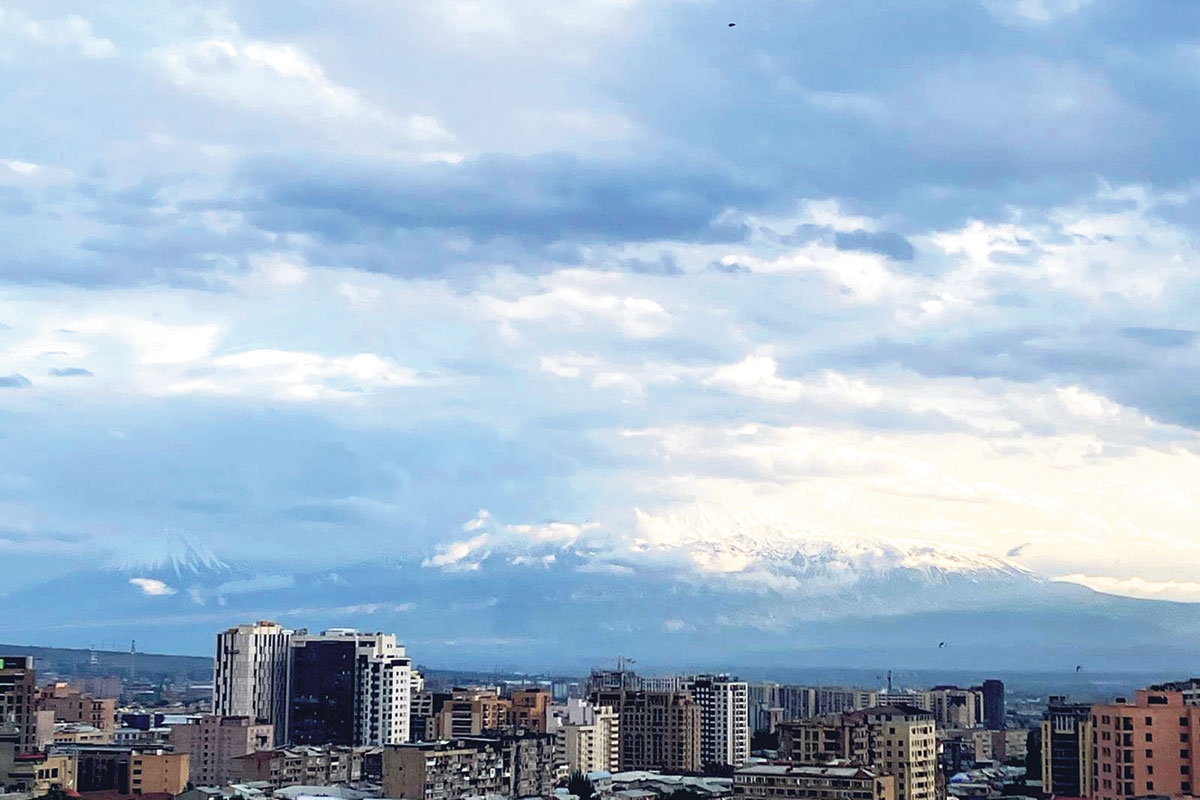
x=348, y=688
x=724, y=719
x=250, y=674
x=307, y=765
x=18, y=706
x=1067, y=749
x=529, y=709
x=589, y=738
x=69, y=704
x=1145, y=747
x=520, y=765
x=128, y=770
x=835, y=782
x=658, y=730
x=214, y=742
x=471, y=712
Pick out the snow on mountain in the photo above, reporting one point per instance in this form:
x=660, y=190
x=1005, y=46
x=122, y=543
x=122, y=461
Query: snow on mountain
x=743, y=543
x=179, y=553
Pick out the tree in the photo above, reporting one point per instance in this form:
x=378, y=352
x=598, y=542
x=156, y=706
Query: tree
x=1033, y=755
x=580, y=786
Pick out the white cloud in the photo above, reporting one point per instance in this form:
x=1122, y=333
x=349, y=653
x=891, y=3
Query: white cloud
x=282, y=78
x=1186, y=591
x=72, y=32
x=455, y=555
x=152, y=587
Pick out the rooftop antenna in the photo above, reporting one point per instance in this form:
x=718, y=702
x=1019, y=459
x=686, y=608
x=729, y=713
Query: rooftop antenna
x=132, y=658
x=889, y=681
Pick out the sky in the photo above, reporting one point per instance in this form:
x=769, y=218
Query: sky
x=317, y=283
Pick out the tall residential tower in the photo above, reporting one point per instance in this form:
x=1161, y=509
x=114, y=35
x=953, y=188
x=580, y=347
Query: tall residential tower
x=250, y=674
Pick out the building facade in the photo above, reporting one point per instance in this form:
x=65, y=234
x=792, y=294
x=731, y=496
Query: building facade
x=589, y=739
x=529, y=709
x=69, y=704
x=781, y=782
x=724, y=719
x=658, y=730
x=995, y=711
x=214, y=742
x=520, y=765
x=18, y=706
x=250, y=674
x=348, y=688
x=129, y=771
x=1067, y=749
x=1145, y=747
x=306, y=765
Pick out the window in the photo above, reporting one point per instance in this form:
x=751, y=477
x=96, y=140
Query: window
x=1183, y=737
x=1150, y=786
x=1149, y=720
x=1150, y=736
x=1149, y=754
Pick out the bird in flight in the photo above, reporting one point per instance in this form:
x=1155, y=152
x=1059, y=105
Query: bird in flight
x=733, y=24
x=941, y=645
x=1079, y=668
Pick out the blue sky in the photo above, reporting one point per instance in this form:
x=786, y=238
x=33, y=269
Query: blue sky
x=313, y=283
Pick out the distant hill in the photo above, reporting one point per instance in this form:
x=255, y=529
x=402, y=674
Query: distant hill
x=145, y=666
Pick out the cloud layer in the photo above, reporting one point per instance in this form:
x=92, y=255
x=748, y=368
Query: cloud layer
x=313, y=288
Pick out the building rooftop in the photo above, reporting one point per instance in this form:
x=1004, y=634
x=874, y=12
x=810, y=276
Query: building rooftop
x=813, y=771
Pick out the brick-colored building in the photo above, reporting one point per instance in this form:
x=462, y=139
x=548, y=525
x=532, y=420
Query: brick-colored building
x=529, y=709
x=470, y=712
x=214, y=742
x=510, y=765
x=1145, y=747
x=70, y=704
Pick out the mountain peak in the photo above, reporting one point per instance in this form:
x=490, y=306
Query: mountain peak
x=176, y=551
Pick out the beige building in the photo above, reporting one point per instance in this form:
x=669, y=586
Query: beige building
x=593, y=743
x=470, y=712
x=214, y=742
x=79, y=733
x=904, y=745
x=70, y=704
x=37, y=773
x=834, y=782
x=159, y=772
x=658, y=730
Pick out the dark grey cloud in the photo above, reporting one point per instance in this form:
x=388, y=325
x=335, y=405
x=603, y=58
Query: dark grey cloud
x=883, y=243
x=519, y=208
x=14, y=381
x=70, y=372
x=1161, y=337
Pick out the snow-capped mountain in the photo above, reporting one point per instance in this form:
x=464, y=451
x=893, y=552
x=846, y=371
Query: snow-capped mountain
x=722, y=588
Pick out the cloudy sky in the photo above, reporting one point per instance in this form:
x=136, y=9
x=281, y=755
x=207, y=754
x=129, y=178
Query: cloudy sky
x=317, y=282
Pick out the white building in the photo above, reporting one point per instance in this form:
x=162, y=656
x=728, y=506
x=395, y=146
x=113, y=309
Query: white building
x=724, y=718
x=367, y=676
x=589, y=737
x=250, y=674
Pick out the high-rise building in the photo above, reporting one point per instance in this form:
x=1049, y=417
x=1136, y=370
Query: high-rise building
x=348, y=688
x=994, y=710
x=724, y=719
x=798, y=702
x=529, y=708
x=250, y=674
x=1145, y=747
x=1067, y=749
x=659, y=730
x=214, y=742
x=896, y=740
x=589, y=737
x=18, y=706
x=470, y=712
